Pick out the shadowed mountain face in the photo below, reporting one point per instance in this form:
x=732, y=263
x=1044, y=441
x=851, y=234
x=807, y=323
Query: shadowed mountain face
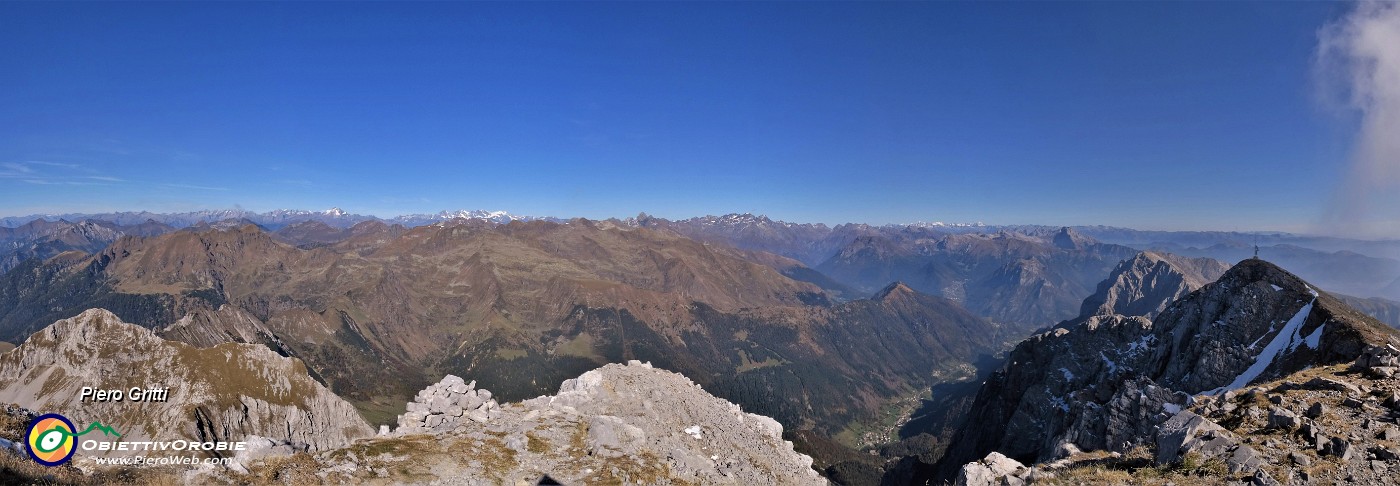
x=1387, y=311
x=519, y=307
x=1025, y=279
x=1105, y=381
x=1022, y=280
x=41, y=239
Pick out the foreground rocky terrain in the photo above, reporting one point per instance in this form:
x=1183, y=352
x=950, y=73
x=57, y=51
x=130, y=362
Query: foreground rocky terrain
x=221, y=393
x=1329, y=425
x=618, y=424
x=1190, y=381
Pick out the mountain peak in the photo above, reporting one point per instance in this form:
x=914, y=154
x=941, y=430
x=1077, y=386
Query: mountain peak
x=1147, y=283
x=896, y=290
x=1069, y=239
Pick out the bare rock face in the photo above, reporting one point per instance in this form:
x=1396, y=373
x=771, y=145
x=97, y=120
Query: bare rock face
x=221, y=393
x=993, y=470
x=1187, y=433
x=616, y=424
x=1147, y=283
x=1106, y=382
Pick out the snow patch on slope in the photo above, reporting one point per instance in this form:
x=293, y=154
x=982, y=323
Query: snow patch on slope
x=1286, y=340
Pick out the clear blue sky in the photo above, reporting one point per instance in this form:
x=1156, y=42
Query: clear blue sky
x=1149, y=115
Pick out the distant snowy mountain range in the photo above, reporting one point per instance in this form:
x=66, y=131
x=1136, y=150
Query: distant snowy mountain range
x=274, y=219
x=1366, y=268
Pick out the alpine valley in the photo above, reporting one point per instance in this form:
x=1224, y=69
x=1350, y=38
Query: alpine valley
x=718, y=349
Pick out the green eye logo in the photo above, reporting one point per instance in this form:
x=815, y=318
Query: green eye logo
x=51, y=440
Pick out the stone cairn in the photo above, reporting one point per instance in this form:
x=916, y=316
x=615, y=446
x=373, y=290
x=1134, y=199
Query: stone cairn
x=441, y=407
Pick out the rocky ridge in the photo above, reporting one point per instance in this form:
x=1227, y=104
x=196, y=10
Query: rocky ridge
x=616, y=424
x=1147, y=283
x=1329, y=425
x=221, y=393
x=1111, y=382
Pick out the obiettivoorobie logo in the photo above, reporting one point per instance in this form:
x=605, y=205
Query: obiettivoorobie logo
x=52, y=440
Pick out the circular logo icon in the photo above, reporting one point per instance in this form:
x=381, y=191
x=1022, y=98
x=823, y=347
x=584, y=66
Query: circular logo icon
x=51, y=439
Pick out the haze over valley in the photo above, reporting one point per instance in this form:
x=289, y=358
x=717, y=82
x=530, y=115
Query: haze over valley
x=869, y=243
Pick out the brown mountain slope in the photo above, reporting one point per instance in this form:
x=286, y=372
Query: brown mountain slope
x=520, y=306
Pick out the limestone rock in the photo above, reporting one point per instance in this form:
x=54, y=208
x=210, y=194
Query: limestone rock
x=221, y=393
x=445, y=405
x=615, y=424
x=995, y=469
x=1187, y=433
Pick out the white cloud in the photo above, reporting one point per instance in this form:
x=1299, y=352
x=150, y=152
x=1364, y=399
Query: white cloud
x=1358, y=64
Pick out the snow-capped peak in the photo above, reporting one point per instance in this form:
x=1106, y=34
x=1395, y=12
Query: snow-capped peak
x=498, y=217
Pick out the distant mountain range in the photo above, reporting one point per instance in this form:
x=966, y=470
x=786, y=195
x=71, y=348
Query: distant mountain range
x=382, y=310
x=274, y=219
x=834, y=331
x=851, y=260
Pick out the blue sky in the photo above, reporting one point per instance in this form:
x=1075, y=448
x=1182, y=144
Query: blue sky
x=1151, y=115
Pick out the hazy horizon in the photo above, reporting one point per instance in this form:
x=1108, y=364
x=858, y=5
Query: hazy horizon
x=1155, y=116
x=930, y=220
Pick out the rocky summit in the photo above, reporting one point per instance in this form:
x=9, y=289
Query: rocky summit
x=222, y=393
x=1235, y=372
x=1328, y=425
x=618, y=424
x=1150, y=281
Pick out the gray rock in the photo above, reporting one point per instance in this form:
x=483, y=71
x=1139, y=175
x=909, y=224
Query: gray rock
x=1322, y=383
x=477, y=416
x=995, y=469
x=1261, y=478
x=1187, y=432
x=1283, y=419
x=1066, y=449
x=1316, y=410
x=1339, y=447
x=413, y=417
x=1382, y=372
x=1300, y=459
x=608, y=434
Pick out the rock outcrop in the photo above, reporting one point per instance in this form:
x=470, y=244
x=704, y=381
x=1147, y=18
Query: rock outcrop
x=1108, y=382
x=442, y=406
x=616, y=424
x=221, y=393
x=1147, y=283
x=1327, y=425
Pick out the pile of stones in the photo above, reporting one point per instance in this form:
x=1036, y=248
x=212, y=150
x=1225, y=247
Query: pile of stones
x=443, y=406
